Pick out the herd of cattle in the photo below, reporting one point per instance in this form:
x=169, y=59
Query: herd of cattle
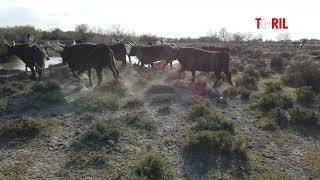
x=84, y=56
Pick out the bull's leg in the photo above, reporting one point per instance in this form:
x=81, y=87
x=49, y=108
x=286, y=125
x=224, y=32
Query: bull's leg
x=124, y=62
x=89, y=75
x=115, y=68
x=40, y=74
x=179, y=72
x=193, y=75
x=26, y=68
x=99, y=74
x=228, y=74
x=114, y=72
x=218, y=77
x=33, y=73
x=152, y=65
x=171, y=64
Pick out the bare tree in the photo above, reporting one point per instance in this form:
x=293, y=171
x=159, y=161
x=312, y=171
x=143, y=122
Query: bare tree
x=224, y=34
x=284, y=38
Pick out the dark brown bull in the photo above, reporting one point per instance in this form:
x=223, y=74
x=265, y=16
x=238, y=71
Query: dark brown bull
x=192, y=59
x=119, y=52
x=216, y=48
x=154, y=53
x=82, y=57
x=33, y=56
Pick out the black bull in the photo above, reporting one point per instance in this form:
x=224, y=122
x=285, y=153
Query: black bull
x=154, y=53
x=33, y=56
x=81, y=57
x=192, y=59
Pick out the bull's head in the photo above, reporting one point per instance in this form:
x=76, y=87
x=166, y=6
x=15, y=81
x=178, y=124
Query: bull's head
x=65, y=52
x=9, y=47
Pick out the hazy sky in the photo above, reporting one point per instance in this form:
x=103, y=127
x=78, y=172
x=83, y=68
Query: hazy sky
x=168, y=18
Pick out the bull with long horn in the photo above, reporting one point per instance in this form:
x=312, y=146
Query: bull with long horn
x=33, y=56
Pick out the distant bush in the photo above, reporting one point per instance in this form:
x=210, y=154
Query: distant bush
x=98, y=102
x=25, y=127
x=161, y=89
x=153, y=167
x=272, y=87
x=305, y=94
x=133, y=102
x=269, y=101
x=303, y=73
x=141, y=119
x=304, y=116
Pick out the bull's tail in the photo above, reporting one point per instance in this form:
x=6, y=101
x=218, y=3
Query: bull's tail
x=113, y=66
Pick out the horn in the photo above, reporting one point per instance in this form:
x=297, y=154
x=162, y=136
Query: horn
x=6, y=42
x=14, y=43
x=61, y=44
x=130, y=44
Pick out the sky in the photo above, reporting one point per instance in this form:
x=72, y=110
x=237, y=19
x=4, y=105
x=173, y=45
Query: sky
x=167, y=18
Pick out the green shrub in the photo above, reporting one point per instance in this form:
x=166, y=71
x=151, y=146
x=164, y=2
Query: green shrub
x=304, y=116
x=163, y=98
x=164, y=109
x=154, y=167
x=305, y=94
x=214, y=122
x=3, y=105
x=247, y=82
x=272, y=87
x=161, y=89
x=45, y=86
x=133, y=102
x=252, y=72
x=97, y=102
x=113, y=87
x=280, y=116
x=25, y=127
x=269, y=101
x=268, y=124
x=197, y=100
x=210, y=142
x=231, y=91
x=11, y=88
x=303, y=73
x=244, y=93
x=104, y=130
x=141, y=119
x=277, y=63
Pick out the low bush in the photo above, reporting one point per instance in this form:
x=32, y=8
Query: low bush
x=231, y=91
x=304, y=116
x=280, y=116
x=103, y=131
x=141, y=119
x=161, y=89
x=268, y=101
x=247, y=82
x=272, y=87
x=113, y=87
x=12, y=88
x=214, y=122
x=215, y=142
x=277, y=63
x=305, y=94
x=163, y=98
x=25, y=127
x=303, y=73
x=153, y=167
x=97, y=102
x=47, y=91
x=164, y=109
x=85, y=161
x=133, y=102
x=3, y=105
